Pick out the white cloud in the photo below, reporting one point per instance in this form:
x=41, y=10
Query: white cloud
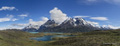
x=8, y=18
x=95, y=18
x=44, y=19
x=20, y=25
x=81, y=16
x=7, y=8
x=96, y=1
x=91, y=1
x=14, y=19
x=4, y=19
x=31, y=22
x=88, y=2
x=11, y=18
x=10, y=27
x=99, y=18
x=113, y=1
x=23, y=15
x=2, y=28
x=94, y=23
x=110, y=26
x=17, y=26
x=57, y=15
x=14, y=27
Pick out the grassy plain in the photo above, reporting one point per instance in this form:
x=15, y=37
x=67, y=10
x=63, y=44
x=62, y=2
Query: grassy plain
x=94, y=38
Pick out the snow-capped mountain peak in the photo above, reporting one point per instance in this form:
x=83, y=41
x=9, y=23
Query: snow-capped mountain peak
x=71, y=24
x=32, y=26
x=80, y=21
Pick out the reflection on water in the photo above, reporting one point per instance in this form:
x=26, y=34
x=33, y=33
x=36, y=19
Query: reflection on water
x=49, y=37
x=46, y=32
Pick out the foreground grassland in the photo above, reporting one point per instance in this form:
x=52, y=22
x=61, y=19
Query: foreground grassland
x=94, y=38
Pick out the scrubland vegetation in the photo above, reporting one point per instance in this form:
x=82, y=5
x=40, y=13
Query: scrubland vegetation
x=94, y=38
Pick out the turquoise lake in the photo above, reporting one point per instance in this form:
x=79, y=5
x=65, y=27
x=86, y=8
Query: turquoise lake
x=48, y=37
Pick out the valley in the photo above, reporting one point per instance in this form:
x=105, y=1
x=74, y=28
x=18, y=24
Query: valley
x=59, y=23
x=94, y=38
x=70, y=25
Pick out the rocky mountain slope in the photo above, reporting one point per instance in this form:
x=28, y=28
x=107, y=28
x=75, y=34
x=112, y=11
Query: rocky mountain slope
x=31, y=27
x=69, y=25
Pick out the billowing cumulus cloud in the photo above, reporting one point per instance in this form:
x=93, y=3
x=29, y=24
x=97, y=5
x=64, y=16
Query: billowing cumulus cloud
x=44, y=19
x=7, y=8
x=57, y=15
x=99, y=18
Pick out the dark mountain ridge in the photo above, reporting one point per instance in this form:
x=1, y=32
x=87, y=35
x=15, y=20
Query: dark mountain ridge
x=68, y=26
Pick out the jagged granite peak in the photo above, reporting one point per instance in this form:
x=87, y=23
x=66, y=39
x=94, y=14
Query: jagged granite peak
x=50, y=23
x=76, y=22
x=68, y=22
x=80, y=21
x=69, y=25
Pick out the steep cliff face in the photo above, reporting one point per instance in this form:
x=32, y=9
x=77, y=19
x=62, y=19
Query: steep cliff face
x=31, y=28
x=69, y=25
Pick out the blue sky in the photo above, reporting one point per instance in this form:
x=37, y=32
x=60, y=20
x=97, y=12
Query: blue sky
x=23, y=12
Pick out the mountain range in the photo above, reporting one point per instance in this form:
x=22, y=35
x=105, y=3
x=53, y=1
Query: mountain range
x=68, y=26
